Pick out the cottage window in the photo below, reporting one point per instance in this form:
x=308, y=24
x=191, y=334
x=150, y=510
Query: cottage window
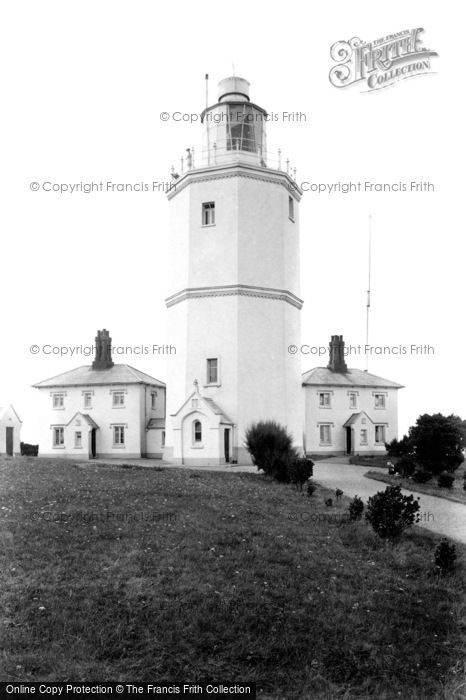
x=325, y=434
x=58, y=400
x=379, y=434
x=118, y=435
x=118, y=399
x=58, y=436
x=324, y=399
x=379, y=400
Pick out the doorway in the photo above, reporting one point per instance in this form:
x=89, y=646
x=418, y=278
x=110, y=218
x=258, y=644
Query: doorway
x=93, y=442
x=226, y=441
x=9, y=441
x=348, y=441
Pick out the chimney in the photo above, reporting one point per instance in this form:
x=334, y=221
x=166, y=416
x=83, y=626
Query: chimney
x=337, y=355
x=103, y=350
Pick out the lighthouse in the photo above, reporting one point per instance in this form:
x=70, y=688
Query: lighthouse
x=234, y=300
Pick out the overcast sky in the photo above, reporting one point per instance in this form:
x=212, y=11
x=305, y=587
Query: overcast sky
x=83, y=87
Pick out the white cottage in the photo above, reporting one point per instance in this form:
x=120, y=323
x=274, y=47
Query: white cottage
x=348, y=411
x=102, y=410
x=10, y=430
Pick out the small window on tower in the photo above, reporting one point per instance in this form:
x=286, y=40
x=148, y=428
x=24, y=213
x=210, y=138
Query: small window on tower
x=291, y=208
x=212, y=370
x=208, y=214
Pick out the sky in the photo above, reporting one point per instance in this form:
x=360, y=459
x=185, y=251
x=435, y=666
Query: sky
x=84, y=89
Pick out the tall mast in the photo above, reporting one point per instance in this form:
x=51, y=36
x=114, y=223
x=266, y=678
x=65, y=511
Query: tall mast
x=368, y=303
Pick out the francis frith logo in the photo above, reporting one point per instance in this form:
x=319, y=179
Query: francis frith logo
x=380, y=63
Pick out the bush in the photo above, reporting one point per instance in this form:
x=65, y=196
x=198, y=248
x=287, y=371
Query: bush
x=445, y=557
x=399, y=448
x=390, y=512
x=311, y=487
x=271, y=449
x=300, y=469
x=437, y=442
x=445, y=480
x=28, y=450
x=421, y=476
x=406, y=465
x=356, y=508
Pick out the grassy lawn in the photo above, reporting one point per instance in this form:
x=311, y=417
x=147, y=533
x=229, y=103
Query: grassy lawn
x=456, y=493
x=118, y=574
x=369, y=460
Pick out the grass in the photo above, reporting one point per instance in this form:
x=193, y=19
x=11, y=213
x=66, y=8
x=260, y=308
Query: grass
x=369, y=460
x=216, y=576
x=456, y=493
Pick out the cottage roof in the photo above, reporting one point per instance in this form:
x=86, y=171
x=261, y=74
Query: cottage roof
x=87, y=376
x=323, y=376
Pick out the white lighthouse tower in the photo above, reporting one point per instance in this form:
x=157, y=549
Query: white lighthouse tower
x=233, y=305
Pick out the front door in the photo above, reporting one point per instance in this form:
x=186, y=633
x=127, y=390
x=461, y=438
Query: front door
x=348, y=441
x=9, y=441
x=226, y=438
x=93, y=442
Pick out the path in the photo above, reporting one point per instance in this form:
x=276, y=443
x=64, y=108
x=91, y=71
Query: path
x=437, y=514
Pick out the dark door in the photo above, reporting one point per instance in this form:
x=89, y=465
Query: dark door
x=93, y=442
x=226, y=438
x=9, y=441
x=348, y=441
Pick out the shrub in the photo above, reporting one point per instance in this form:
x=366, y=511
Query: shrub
x=28, y=450
x=271, y=449
x=356, y=508
x=437, y=442
x=390, y=512
x=406, y=465
x=421, y=476
x=328, y=502
x=445, y=480
x=300, y=469
x=338, y=493
x=399, y=448
x=445, y=556
x=311, y=487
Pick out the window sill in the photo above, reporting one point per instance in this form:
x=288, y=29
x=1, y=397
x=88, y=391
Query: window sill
x=58, y=447
x=207, y=225
x=206, y=386
x=118, y=406
x=118, y=447
x=325, y=444
x=325, y=407
x=58, y=408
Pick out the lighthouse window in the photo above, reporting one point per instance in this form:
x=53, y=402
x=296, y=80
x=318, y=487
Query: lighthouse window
x=208, y=214
x=212, y=370
x=197, y=430
x=240, y=129
x=291, y=208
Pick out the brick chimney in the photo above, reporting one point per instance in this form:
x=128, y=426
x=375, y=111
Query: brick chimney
x=103, y=351
x=337, y=355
